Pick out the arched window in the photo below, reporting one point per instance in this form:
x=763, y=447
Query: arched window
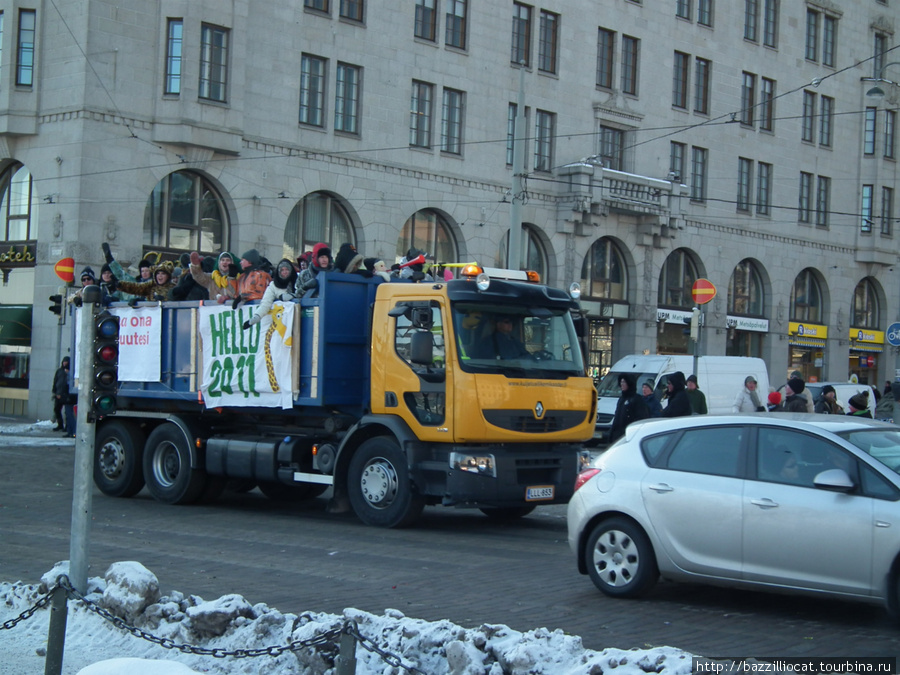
x=185, y=213
x=428, y=231
x=866, y=309
x=535, y=255
x=806, y=298
x=318, y=217
x=603, y=273
x=18, y=205
x=745, y=290
x=676, y=280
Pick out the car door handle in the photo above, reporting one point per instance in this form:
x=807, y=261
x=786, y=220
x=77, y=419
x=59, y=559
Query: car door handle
x=661, y=487
x=765, y=503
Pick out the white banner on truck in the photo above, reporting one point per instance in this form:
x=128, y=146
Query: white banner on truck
x=249, y=367
x=140, y=338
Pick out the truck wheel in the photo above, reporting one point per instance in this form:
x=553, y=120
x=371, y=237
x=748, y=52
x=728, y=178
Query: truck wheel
x=279, y=492
x=167, y=467
x=381, y=492
x=507, y=512
x=117, y=459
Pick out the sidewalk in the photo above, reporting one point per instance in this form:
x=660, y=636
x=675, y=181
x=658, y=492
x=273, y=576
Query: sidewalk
x=27, y=431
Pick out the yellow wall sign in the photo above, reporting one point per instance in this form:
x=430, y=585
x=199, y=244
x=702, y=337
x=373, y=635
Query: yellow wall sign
x=808, y=330
x=867, y=335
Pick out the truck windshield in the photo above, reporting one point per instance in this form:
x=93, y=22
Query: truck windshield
x=518, y=341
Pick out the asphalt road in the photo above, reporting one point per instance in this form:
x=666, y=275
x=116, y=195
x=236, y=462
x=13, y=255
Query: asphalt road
x=455, y=565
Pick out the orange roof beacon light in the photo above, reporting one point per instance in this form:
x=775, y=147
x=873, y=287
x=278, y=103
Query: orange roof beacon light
x=533, y=276
x=470, y=271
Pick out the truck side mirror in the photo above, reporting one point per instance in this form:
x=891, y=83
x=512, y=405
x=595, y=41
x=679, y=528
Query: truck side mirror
x=421, y=348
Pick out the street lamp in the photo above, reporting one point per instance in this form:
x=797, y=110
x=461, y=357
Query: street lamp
x=876, y=91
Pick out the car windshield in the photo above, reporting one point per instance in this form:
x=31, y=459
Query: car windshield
x=609, y=385
x=882, y=444
x=518, y=341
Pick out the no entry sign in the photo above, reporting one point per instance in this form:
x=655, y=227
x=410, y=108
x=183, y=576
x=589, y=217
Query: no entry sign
x=703, y=291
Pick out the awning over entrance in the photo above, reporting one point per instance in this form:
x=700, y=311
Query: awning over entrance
x=15, y=325
x=806, y=342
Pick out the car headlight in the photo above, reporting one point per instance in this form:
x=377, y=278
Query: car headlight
x=483, y=465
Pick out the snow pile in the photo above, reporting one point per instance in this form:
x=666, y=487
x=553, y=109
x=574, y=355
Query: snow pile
x=94, y=646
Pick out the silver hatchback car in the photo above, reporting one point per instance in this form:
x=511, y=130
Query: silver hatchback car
x=794, y=503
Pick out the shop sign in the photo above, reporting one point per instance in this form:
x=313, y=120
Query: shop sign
x=18, y=255
x=808, y=330
x=867, y=335
x=747, y=323
x=675, y=316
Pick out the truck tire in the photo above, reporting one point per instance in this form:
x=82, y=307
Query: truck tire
x=118, y=447
x=167, y=467
x=379, y=485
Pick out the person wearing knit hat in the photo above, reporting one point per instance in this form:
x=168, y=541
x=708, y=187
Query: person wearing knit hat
x=348, y=259
x=321, y=262
x=774, y=402
x=747, y=399
x=87, y=279
x=827, y=403
x=785, y=391
x=795, y=402
x=698, y=398
x=650, y=399
x=859, y=405
x=221, y=283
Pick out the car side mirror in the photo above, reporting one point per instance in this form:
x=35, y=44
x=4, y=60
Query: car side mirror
x=833, y=480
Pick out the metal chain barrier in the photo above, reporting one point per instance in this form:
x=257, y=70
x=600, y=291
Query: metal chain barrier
x=348, y=627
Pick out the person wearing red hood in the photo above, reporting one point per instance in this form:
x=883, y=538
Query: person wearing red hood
x=321, y=262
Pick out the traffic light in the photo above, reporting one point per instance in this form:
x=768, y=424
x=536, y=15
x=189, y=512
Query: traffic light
x=106, y=364
x=57, y=304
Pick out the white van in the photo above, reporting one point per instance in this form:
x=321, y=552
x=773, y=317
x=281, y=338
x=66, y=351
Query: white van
x=720, y=378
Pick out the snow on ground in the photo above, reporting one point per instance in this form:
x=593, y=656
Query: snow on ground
x=129, y=591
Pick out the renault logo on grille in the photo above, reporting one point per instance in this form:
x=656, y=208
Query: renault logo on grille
x=539, y=410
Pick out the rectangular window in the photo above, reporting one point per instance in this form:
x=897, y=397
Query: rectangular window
x=869, y=131
x=748, y=98
x=865, y=224
x=676, y=161
x=173, y=57
x=770, y=23
x=420, y=114
x=452, y=121
x=751, y=19
x=521, y=34
x=763, y=188
x=214, y=63
x=630, y=56
x=612, y=143
x=425, y=20
x=878, y=54
x=25, y=53
x=548, y=41
x=457, y=23
x=804, y=211
x=312, y=90
x=767, y=104
x=680, y=80
x=887, y=210
x=704, y=12
x=702, y=68
x=346, y=98
x=318, y=5
x=829, y=40
x=890, y=119
x=809, y=116
x=545, y=123
x=745, y=173
x=823, y=199
x=606, y=44
x=812, y=35
x=698, y=174
x=683, y=9
x=352, y=9
x=826, y=119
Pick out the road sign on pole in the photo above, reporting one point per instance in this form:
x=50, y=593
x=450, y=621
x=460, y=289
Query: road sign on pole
x=893, y=334
x=65, y=269
x=703, y=291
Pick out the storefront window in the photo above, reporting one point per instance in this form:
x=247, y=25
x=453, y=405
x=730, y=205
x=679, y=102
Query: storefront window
x=603, y=274
x=318, y=217
x=430, y=232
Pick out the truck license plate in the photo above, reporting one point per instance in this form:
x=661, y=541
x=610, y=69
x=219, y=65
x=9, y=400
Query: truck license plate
x=536, y=493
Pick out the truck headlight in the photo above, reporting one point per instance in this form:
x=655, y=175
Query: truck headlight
x=483, y=465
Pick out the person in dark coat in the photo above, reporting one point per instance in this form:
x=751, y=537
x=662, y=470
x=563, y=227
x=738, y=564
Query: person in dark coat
x=679, y=405
x=321, y=262
x=698, y=398
x=796, y=401
x=348, y=260
x=859, y=405
x=650, y=399
x=629, y=408
x=60, y=394
x=188, y=288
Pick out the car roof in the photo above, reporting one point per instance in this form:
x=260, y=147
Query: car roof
x=807, y=421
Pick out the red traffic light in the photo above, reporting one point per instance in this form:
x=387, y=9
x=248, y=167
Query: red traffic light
x=108, y=353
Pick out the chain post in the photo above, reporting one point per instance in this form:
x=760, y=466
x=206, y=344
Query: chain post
x=56, y=631
x=346, y=660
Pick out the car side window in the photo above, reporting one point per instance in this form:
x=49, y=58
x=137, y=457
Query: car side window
x=713, y=450
x=794, y=458
x=875, y=485
x=652, y=447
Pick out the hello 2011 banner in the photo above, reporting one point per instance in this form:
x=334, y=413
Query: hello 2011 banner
x=249, y=367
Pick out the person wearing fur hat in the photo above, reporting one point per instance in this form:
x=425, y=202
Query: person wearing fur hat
x=158, y=289
x=321, y=262
x=220, y=283
x=348, y=259
x=747, y=399
x=280, y=288
x=859, y=405
x=678, y=404
x=629, y=408
x=795, y=402
x=827, y=403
